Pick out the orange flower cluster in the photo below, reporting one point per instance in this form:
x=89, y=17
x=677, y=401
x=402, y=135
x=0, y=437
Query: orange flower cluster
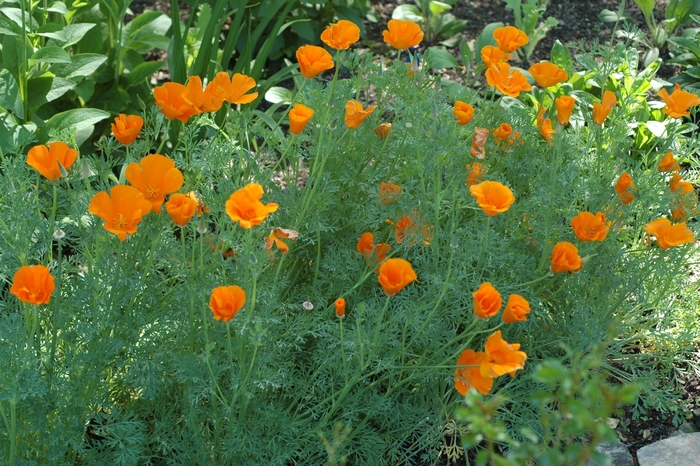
x=678, y=102
x=33, y=284
x=46, y=160
x=244, y=206
x=624, y=187
x=668, y=235
x=478, y=369
x=373, y=254
x=395, y=274
x=226, y=301
x=493, y=197
x=488, y=301
x=511, y=84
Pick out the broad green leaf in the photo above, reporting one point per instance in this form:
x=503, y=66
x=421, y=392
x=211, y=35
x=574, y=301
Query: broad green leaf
x=15, y=15
x=688, y=44
x=75, y=32
x=82, y=64
x=10, y=97
x=608, y=16
x=278, y=95
x=562, y=57
x=657, y=128
x=451, y=27
x=439, y=58
x=58, y=7
x=72, y=120
x=52, y=31
x=132, y=28
x=438, y=7
x=51, y=54
x=149, y=42
x=647, y=6
x=44, y=89
x=407, y=12
x=142, y=72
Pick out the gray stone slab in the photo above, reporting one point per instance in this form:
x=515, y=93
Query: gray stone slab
x=618, y=453
x=683, y=450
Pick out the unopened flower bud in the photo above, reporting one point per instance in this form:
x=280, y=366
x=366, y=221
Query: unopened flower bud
x=59, y=234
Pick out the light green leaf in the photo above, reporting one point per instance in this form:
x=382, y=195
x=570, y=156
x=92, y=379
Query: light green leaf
x=148, y=42
x=15, y=15
x=438, y=7
x=52, y=31
x=407, y=12
x=439, y=58
x=608, y=16
x=278, y=95
x=647, y=6
x=142, y=72
x=51, y=54
x=10, y=97
x=75, y=32
x=73, y=120
x=562, y=57
x=47, y=88
x=58, y=7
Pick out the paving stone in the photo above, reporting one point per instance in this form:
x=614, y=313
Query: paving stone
x=618, y=453
x=683, y=450
x=686, y=428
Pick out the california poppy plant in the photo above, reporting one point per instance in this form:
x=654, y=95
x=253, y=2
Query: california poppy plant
x=126, y=128
x=624, y=187
x=122, y=209
x=313, y=60
x=491, y=54
x=517, y=309
x=668, y=235
x=503, y=132
x=668, y=163
x=565, y=105
x=395, y=274
x=493, y=197
x=235, y=87
x=678, y=102
x=509, y=38
x=340, y=307
x=354, y=115
x=499, y=75
x=383, y=130
x=341, y=35
x=502, y=357
x=277, y=237
x=547, y=74
x=402, y=34
x=33, y=284
x=46, y=160
x=463, y=112
x=373, y=255
x=475, y=171
x=244, y=206
x=603, y=109
x=204, y=100
x=389, y=193
x=155, y=176
x=468, y=373
x=299, y=116
x=546, y=130
x=487, y=301
x=170, y=99
x=181, y=208
x=565, y=258
x=590, y=227
x=226, y=301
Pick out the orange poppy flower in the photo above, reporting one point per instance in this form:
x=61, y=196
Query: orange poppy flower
x=668, y=235
x=341, y=35
x=589, y=227
x=155, y=176
x=340, y=307
x=170, y=98
x=493, y=197
x=373, y=255
x=499, y=75
x=235, y=87
x=565, y=105
x=546, y=130
x=389, y=193
x=547, y=74
x=122, y=209
x=517, y=309
x=354, y=115
x=205, y=100
x=181, y=208
x=402, y=34
x=503, y=132
x=33, y=284
x=244, y=206
x=668, y=163
x=602, y=110
x=365, y=245
x=509, y=38
x=412, y=228
x=678, y=102
x=468, y=373
x=478, y=149
x=475, y=172
x=395, y=274
x=487, y=301
x=126, y=128
x=491, y=54
x=502, y=357
x=463, y=112
x=674, y=182
x=383, y=130
x=313, y=60
x=226, y=301
x=565, y=258
x=276, y=236
x=46, y=160
x=299, y=116
x=623, y=183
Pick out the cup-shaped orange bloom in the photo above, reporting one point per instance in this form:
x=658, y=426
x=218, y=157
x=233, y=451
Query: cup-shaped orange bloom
x=602, y=110
x=122, y=209
x=170, y=98
x=383, y=130
x=503, y=132
x=235, y=87
x=499, y=75
x=226, y=301
x=468, y=373
x=341, y=35
x=502, y=357
x=299, y=116
x=517, y=309
x=509, y=38
x=590, y=227
x=33, y=284
x=181, y=208
x=46, y=160
x=373, y=254
x=155, y=176
x=395, y=274
x=547, y=74
x=402, y=34
x=313, y=60
x=204, y=100
x=623, y=183
x=365, y=245
x=463, y=112
x=493, y=197
x=475, y=172
x=565, y=105
x=491, y=54
x=546, y=130
x=354, y=115
x=487, y=301
x=389, y=193
x=565, y=258
x=678, y=102
x=668, y=235
x=244, y=206
x=277, y=237
x=668, y=163
x=126, y=128
x=340, y=307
